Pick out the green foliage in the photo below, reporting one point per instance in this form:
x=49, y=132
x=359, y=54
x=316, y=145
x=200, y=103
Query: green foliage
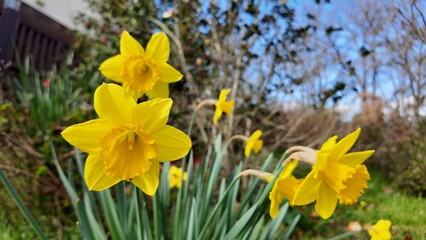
x=50, y=98
x=208, y=206
x=412, y=177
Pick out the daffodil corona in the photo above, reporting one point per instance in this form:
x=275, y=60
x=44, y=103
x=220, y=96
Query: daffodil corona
x=128, y=141
x=140, y=71
x=336, y=176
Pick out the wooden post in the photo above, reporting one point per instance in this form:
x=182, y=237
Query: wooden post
x=9, y=22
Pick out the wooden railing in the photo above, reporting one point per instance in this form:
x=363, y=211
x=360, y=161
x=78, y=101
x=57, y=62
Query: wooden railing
x=35, y=35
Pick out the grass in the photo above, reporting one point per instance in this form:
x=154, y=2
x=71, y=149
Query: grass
x=383, y=201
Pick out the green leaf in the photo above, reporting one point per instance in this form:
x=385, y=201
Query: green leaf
x=27, y=214
x=241, y=224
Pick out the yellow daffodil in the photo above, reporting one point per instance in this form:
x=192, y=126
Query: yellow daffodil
x=140, y=71
x=253, y=143
x=175, y=176
x=222, y=105
x=381, y=230
x=128, y=141
x=336, y=176
x=284, y=187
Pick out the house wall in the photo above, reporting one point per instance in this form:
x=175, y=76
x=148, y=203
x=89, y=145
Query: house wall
x=62, y=11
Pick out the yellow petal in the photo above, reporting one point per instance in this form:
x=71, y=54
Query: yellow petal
x=276, y=199
x=158, y=47
x=223, y=94
x=161, y=90
x=153, y=114
x=321, y=161
x=288, y=187
x=171, y=143
x=381, y=230
x=168, y=74
x=111, y=68
x=356, y=158
x=217, y=115
x=129, y=46
x=251, y=142
x=113, y=103
x=227, y=107
x=308, y=190
x=329, y=144
x=345, y=144
x=288, y=168
x=335, y=174
x=148, y=182
x=326, y=202
x=94, y=174
x=86, y=136
x=257, y=146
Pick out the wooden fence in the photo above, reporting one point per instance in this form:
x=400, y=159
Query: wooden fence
x=28, y=32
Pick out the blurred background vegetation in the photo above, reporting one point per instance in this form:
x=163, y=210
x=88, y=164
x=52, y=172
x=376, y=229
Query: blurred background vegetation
x=300, y=71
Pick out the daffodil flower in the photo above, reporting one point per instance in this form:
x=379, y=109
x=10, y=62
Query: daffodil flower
x=142, y=72
x=222, y=105
x=128, y=141
x=285, y=186
x=175, y=176
x=253, y=143
x=336, y=175
x=381, y=230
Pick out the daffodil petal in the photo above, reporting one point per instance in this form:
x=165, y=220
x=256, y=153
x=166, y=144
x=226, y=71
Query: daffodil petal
x=356, y=158
x=381, y=230
x=326, y=202
x=251, y=142
x=329, y=143
x=276, y=199
x=288, y=187
x=288, y=168
x=148, y=182
x=113, y=103
x=171, y=143
x=168, y=74
x=158, y=47
x=257, y=146
x=153, y=114
x=308, y=190
x=161, y=90
x=217, y=115
x=227, y=106
x=129, y=46
x=86, y=136
x=94, y=174
x=223, y=94
x=111, y=68
x=345, y=144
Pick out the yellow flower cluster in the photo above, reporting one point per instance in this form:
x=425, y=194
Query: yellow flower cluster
x=130, y=140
